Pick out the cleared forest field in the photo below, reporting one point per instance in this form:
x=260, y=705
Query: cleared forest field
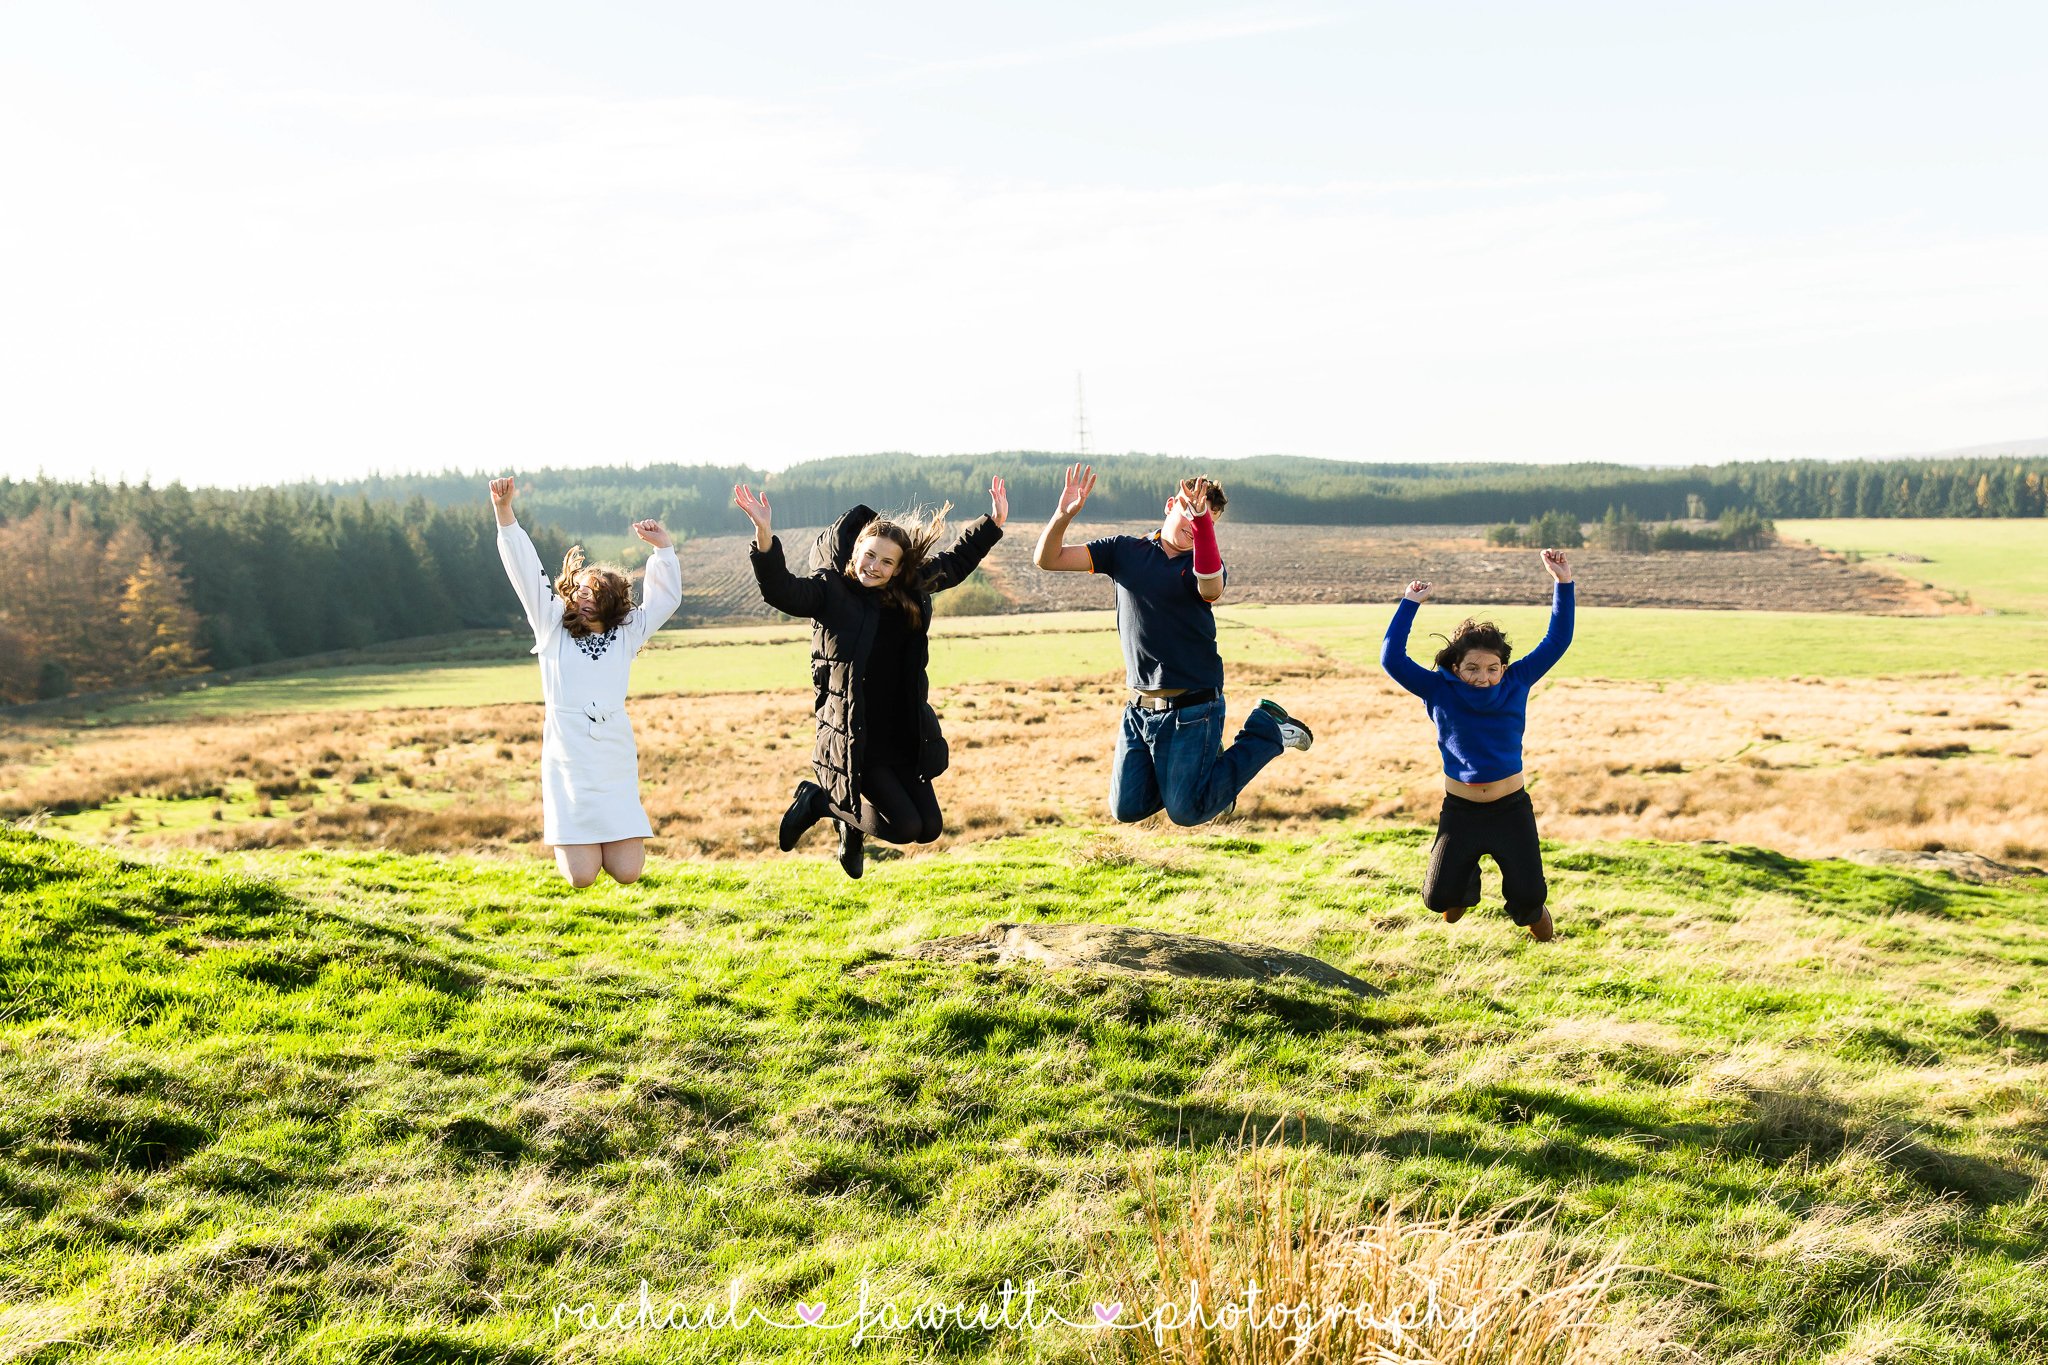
x=1331, y=564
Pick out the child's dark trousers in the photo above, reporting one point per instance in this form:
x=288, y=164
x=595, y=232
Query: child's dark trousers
x=1505, y=830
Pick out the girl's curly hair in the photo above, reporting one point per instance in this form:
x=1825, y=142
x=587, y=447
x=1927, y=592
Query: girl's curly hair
x=914, y=533
x=613, y=592
x=1471, y=635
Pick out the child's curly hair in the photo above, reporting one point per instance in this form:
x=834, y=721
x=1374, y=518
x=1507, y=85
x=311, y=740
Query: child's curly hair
x=1471, y=635
x=613, y=592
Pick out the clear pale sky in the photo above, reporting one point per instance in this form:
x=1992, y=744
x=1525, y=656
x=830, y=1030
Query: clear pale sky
x=242, y=243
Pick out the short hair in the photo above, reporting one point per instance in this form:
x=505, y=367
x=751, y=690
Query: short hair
x=1217, y=501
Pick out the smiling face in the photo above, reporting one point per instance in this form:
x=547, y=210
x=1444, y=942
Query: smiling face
x=875, y=561
x=594, y=597
x=1480, y=668
x=1176, y=531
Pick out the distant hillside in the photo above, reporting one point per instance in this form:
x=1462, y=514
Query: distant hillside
x=222, y=578
x=2023, y=449
x=1284, y=489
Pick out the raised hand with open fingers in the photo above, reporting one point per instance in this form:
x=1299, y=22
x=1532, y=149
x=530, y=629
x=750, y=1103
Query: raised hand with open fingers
x=755, y=505
x=999, y=501
x=1080, y=483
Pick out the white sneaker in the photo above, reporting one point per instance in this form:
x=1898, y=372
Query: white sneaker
x=1293, y=734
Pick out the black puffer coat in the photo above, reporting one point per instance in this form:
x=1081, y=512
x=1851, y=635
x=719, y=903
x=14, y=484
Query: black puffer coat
x=845, y=615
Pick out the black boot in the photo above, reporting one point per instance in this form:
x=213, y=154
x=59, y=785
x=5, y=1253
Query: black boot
x=807, y=810
x=852, y=849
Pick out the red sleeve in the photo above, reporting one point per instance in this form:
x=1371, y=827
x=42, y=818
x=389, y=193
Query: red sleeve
x=1208, y=558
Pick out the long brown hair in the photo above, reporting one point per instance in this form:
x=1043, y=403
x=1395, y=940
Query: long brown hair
x=613, y=593
x=914, y=533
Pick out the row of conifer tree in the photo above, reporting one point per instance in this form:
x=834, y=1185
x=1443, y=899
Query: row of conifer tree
x=116, y=584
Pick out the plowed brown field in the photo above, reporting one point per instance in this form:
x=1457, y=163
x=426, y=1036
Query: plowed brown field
x=1309, y=564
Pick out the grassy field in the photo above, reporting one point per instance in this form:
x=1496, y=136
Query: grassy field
x=1989, y=562
x=1621, y=643
x=351, y=1107
x=1999, y=563
x=272, y=1090
x=1813, y=766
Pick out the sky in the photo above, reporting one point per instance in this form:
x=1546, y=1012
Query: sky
x=246, y=243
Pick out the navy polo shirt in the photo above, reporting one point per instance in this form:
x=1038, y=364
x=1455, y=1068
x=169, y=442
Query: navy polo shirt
x=1168, y=631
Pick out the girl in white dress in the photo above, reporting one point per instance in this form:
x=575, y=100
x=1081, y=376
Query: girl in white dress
x=586, y=631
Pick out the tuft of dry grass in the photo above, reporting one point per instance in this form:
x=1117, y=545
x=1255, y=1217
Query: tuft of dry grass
x=1259, y=1267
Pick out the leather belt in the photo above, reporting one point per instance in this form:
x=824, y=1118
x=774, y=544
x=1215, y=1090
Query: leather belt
x=1193, y=697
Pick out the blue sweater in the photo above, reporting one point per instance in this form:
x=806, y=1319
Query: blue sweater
x=1479, y=729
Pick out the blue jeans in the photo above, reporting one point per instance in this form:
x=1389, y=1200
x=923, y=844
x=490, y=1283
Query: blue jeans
x=1169, y=760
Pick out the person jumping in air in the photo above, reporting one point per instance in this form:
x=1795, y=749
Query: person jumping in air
x=1479, y=702
x=1167, y=584
x=869, y=596
x=586, y=631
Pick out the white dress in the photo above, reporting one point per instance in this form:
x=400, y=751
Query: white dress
x=589, y=764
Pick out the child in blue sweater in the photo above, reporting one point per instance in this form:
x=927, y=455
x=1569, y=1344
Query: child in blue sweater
x=1479, y=703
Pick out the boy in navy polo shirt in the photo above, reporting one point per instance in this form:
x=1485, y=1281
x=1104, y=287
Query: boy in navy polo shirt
x=1167, y=748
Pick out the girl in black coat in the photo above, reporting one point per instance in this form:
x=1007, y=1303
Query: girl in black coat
x=870, y=596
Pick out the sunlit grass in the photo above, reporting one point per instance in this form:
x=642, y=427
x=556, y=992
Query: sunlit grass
x=2001, y=563
x=356, y=1107
x=1625, y=643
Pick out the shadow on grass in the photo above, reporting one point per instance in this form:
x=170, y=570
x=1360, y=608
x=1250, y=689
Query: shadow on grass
x=1787, y=1122
x=1199, y=1124
x=1778, y=1125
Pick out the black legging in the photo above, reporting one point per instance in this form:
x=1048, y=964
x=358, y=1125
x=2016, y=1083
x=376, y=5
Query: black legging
x=1506, y=829
x=897, y=806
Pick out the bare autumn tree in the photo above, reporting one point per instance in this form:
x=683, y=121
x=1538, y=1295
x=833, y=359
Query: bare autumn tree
x=161, y=630
x=18, y=665
x=51, y=564
x=87, y=611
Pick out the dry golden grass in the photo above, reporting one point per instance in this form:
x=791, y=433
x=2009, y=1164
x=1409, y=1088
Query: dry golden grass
x=1338, y=1283
x=1812, y=767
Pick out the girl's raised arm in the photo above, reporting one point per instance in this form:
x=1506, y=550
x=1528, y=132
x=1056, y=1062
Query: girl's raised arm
x=1563, y=601
x=950, y=567
x=661, y=591
x=780, y=588
x=1394, y=649
x=522, y=563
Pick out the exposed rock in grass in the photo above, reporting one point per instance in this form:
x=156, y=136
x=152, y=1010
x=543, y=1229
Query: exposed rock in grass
x=1970, y=867
x=1120, y=948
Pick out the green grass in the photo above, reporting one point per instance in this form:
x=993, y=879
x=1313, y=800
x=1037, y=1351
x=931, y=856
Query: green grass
x=2002, y=564
x=351, y=1107
x=1650, y=643
x=1624, y=643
